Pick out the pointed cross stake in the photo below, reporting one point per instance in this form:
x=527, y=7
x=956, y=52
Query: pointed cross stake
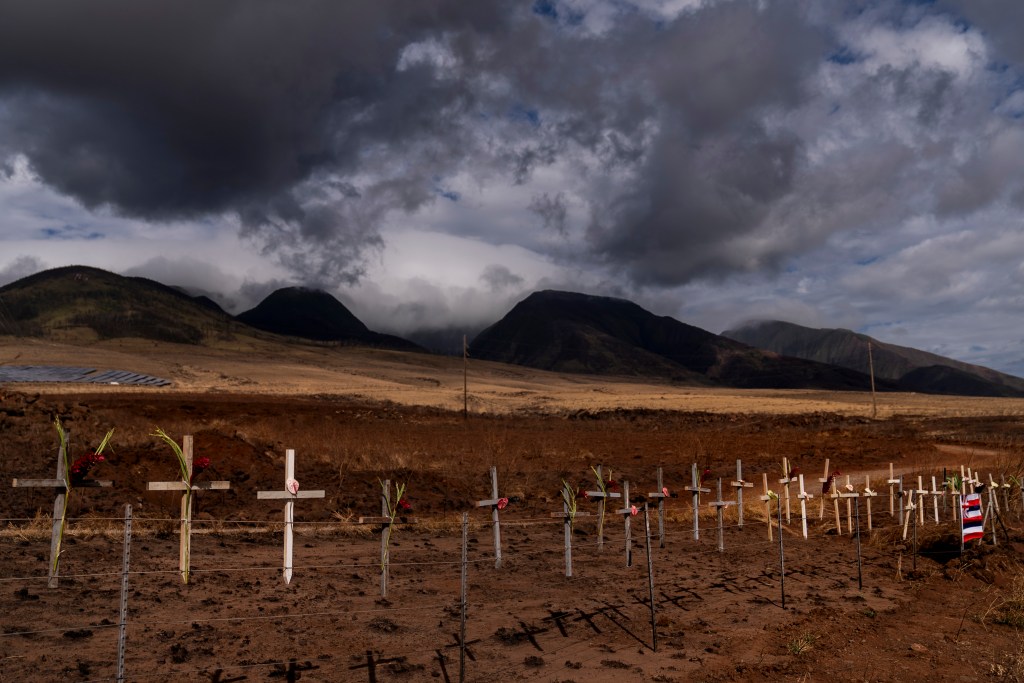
x=823, y=480
x=935, y=493
x=1006, y=492
x=849, y=503
x=804, y=497
x=696, y=490
x=62, y=486
x=495, y=503
x=785, y=481
x=185, y=532
x=892, y=482
x=569, y=518
x=994, y=488
x=739, y=485
x=386, y=522
x=834, y=495
x=602, y=504
x=720, y=506
x=850, y=494
x=911, y=510
x=660, y=496
x=627, y=513
x=868, y=494
x=767, y=504
x=290, y=494
x=921, y=492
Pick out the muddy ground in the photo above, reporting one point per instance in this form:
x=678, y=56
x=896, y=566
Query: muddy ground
x=718, y=614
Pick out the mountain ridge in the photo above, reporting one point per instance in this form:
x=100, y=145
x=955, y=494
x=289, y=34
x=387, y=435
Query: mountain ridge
x=914, y=369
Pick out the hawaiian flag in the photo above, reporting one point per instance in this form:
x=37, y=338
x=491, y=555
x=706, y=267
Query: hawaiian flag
x=974, y=520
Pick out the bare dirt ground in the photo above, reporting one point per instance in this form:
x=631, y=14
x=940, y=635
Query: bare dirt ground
x=356, y=417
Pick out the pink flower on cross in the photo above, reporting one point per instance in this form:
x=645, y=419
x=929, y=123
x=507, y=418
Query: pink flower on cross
x=292, y=486
x=633, y=510
x=502, y=503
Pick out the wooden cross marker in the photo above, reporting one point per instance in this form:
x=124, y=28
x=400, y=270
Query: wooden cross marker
x=62, y=486
x=739, y=485
x=935, y=493
x=902, y=497
x=602, y=503
x=568, y=516
x=496, y=504
x=785, y=481
x=994, y=488
x=920, y=492
x=892, y=482
x=804, y=497
x=767, y=498
x=290, y=494
x=849, y=503
x=868, y=494
x=911, y=510
x=834, y=495
x=386, y=522
x=185, y=531
x=696, y=490
x=824, y=481
x=720, y=506
x=627, y=514
x=1006, y=492
x=849, y=494
x=660, y=496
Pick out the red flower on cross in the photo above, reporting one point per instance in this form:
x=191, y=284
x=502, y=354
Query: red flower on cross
x=198, y=466
x=82, y=465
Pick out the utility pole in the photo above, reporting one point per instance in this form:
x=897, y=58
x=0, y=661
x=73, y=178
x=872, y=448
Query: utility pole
x=871, y=369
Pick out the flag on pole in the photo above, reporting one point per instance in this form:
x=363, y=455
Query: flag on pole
x=973, y=519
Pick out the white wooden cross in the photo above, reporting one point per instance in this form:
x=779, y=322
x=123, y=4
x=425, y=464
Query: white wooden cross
x=849, y=503
x=834, y=495
x=720, y=506
x=600, y=497
x=786, y=480
x=804, y=497
x=62, y=486
x=911, y=511
x=892, y=482
x=920, y=492
x=935, y=493
x=767, y=498
x=660, y=496
x=868, y=494
x=739, y=485
x=185, y=530
x=290, y=494
x=994, y=488
x=696, y=490
x=496, y=504
x=850, y=494
x=627, y=514
x=824, y=481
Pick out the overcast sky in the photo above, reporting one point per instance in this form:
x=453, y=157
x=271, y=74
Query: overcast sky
x=832, y=163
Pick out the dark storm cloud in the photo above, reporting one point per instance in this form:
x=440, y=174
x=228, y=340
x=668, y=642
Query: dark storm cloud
x=179, y=109
x=683, y=146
